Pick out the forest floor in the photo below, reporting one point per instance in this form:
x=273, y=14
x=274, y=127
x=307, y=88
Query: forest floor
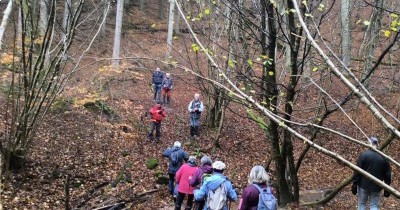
x=94, y=148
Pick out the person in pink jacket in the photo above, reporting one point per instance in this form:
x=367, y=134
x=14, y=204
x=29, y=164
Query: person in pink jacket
x=182, y=178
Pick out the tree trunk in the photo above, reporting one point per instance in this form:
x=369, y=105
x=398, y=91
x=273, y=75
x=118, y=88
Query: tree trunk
x=177, y=20
x=141, y=5
x=161, y=6
x=105, y=13
x=43, y=17
x=117, y=35
x=5, y=21
x=346, y=35
x=170, y=27
x=270, y=97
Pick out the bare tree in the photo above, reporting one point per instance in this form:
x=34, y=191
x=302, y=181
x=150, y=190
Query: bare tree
x=33, y=84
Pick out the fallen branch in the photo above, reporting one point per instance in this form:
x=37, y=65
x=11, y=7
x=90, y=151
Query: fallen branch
x=89, y=194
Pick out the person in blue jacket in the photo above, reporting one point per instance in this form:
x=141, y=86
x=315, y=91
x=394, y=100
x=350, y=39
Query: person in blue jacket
x=181, y=156
x=156, y=80
x=213, y=182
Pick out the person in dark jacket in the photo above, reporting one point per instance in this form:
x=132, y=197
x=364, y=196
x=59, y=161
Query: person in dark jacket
x=196, y=181
x=195, y=109
x=250, y=194
x=166, y=89
x=173, y=168
x=376, y=165
x=156, y=81
x=157, y=113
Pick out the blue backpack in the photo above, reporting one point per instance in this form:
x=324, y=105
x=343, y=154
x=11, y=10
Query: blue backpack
x=266, y=201
x=174, y=158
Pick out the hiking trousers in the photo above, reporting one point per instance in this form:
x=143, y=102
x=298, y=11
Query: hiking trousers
x=180, y=198
x=157, y=92
x=374, y=198
x=157, y=126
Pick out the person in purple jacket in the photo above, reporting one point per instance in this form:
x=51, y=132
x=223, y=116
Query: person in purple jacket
x=250, y=194
x=196, y=181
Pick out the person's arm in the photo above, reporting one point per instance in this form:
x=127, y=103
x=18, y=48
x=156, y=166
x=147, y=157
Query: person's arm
x=163, y=113
x=190, y=107
x=194, y=181
x=185, y=156
x=201, y=107
x=356, y=175
x=200, y=193
x=388, y=174
x=231, y=192
x=166, y=152
x=244, y=204
x=153, y=77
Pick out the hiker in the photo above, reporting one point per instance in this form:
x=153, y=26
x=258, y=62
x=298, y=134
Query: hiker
x=157, y=113
x=195, y=108
x=182, y=178
x=156, y=81
x=166, y=89
x=379, y=167
x=258, y=181
x=216, y=189
x=204, y=171
x=176, y=157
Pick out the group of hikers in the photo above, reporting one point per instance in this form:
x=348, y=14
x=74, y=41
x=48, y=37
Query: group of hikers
x=162, y=86
x=208, y=188
x=204, y=185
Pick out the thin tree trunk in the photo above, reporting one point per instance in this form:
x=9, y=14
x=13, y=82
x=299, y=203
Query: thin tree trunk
x=105, y=13
x=5, y=21
x=346, y=35
x=43, y=17
x=141, y=5
x=177, y=20
x=170, y=27
x=117, y=35
x=161, y=5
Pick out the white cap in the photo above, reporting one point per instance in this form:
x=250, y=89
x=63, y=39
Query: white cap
x=219, y=165
x=177, y=144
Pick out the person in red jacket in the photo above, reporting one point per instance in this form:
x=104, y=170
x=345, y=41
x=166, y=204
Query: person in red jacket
x=182, y=178
x=157, y=113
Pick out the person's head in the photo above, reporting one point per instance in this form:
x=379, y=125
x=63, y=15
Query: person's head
x=158, y=106
x=258, y=175
x=192, y=160
x=158, y=69
x=196, y=96
x=205, y=160
x=373, y=141
x=167, y=75
x=177, y=144
x=218, y=166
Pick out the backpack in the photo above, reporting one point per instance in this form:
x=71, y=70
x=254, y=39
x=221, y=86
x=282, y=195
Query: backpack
x=204, y=177
x=216, y=199
x=174, y=158
x=266, y=201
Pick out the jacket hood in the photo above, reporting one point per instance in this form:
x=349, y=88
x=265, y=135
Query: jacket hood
x=214, y=181
x=206, y=169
